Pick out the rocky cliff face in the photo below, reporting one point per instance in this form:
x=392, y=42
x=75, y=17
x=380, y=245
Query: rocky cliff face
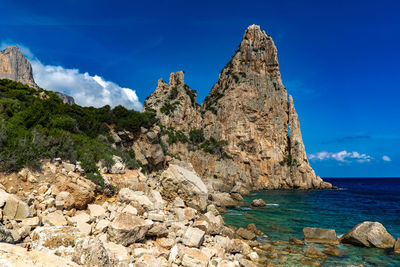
x=248, y=110
x=66, y=98
x=14, y=66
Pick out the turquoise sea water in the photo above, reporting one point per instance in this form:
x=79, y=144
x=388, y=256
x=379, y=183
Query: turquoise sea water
x=357, y=200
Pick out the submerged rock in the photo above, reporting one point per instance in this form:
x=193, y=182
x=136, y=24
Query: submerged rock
x=396, y=247
x=320, y=235
x=296, y=241
x=314, y=253
x=333, y=251
x=245, y=234
x=258, y=203
x=369, y=234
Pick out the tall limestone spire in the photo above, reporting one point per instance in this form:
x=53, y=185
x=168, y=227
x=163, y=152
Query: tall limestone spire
x=249, y=108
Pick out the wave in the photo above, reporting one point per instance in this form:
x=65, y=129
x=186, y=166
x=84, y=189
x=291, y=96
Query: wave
x=273, y=204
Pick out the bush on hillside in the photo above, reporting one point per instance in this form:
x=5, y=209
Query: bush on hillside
x=32, y=129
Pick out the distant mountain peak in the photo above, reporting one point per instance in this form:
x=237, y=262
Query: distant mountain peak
x=14, y=66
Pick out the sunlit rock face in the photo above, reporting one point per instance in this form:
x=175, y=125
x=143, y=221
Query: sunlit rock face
x=249, y=107
x=14, y=66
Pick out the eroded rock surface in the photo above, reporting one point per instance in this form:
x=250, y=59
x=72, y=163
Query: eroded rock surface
x=248, y=112
x=369, y=234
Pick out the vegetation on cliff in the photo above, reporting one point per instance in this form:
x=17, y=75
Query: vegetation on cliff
x=36, y=125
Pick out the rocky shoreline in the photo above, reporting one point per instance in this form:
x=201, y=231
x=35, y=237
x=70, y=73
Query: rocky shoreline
x=59, y=218
x=56, y=218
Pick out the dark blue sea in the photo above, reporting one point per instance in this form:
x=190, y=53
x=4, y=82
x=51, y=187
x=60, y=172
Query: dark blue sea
x=357, y=200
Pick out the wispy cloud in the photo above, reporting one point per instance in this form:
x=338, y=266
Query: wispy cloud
x=86, y=89
x=386, y=158
x=342, y=156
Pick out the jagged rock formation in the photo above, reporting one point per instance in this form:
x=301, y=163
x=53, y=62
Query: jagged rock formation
x=176, y=100
x=14, y=66
x=248, y=108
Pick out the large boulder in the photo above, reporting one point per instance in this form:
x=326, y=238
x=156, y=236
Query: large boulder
x=157, y=200
x=66, y=199
x=215, y=222
x=127, y=195
x=194, y=257
x=193, y=237
x=13, y=207
x=82, y=192
x=369, y=234
x=223, y=200
x=59, y=240
x=91, y=252
x=245, y=234
x=180, y=182
x=320, y=235
x=127, y=228
x=12, y=255
x=55, y=219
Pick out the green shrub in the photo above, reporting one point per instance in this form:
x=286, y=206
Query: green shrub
x=213, y=146
x=288, y=160
x=168, y=108
x=191, y=93
x=32, y=129
x=174, y=93
x=196, y=136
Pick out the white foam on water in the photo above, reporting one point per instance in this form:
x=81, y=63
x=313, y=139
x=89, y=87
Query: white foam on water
x=235, y=214
x=273, y=204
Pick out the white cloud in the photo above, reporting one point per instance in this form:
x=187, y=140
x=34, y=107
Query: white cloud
x=87, y=90
x=386, y=158
x=342, y=156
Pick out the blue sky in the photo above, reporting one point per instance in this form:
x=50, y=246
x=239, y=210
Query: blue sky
x=339, y=60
